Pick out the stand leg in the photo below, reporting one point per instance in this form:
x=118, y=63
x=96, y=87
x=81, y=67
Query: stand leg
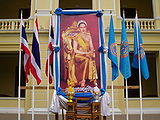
x=104, y=118
x=56, y=116
x=62, y=114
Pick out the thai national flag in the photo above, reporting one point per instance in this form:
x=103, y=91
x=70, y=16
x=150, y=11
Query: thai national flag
x=25, y=48
x=50, y=53
x=35, y=56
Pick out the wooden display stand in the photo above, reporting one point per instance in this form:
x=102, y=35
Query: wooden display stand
x=86, y=108
x=96, y=111
x=92, y=110
x=70, y=111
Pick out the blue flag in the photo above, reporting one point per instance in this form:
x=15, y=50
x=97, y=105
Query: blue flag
x=112, y=52
x=125, y=68
x=138, y=46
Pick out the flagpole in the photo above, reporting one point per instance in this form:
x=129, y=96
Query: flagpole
x=48, y=88
x=126, y=84
x=114, y=6
x=36, y=5
x=112, y=100
x=99, y=4
x=50, y=4
x=140, y=87
x=32, y=99
x=57, y=3
x=33, y=78
x=19, y=80
x=19, y=84
x=48, y=72
x=126, y=100
x=140, y=80
x=113, y=58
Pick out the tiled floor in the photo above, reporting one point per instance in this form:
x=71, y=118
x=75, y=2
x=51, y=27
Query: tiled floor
x=8, y=116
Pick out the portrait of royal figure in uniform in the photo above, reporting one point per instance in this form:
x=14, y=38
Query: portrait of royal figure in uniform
x=80, y=60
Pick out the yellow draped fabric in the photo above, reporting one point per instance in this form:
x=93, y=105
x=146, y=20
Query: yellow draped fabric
x=86, y=60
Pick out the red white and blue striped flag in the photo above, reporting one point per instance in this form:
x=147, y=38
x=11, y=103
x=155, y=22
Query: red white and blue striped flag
x=35, y=57
x=25, y=48
x=50, y=53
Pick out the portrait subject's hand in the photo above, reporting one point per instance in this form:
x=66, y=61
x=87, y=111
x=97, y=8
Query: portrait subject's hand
x=92, y=54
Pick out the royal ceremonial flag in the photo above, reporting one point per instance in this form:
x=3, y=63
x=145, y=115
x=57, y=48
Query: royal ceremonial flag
x=112, y=52
x=125, y=68
x=138, y=49
x=50, y=53
x=35, y=57
x=25, y=48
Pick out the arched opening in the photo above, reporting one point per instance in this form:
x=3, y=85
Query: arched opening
x=130, y=7
x=12, y=9
x=75, y=4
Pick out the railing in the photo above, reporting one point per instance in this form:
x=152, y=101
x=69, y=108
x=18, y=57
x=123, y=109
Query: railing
x=145, y=24
x=12, y=24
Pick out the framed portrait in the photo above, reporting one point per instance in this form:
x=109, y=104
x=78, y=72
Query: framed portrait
x=79, y=55
x=79, y=63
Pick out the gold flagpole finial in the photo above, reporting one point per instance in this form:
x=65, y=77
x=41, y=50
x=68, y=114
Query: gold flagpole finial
x=36, y=11
x=110, y=11
x=51, y=12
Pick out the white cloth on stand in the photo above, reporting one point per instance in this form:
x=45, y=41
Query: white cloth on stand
x=60, y=102
x=55, y=107
x=105, y=101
